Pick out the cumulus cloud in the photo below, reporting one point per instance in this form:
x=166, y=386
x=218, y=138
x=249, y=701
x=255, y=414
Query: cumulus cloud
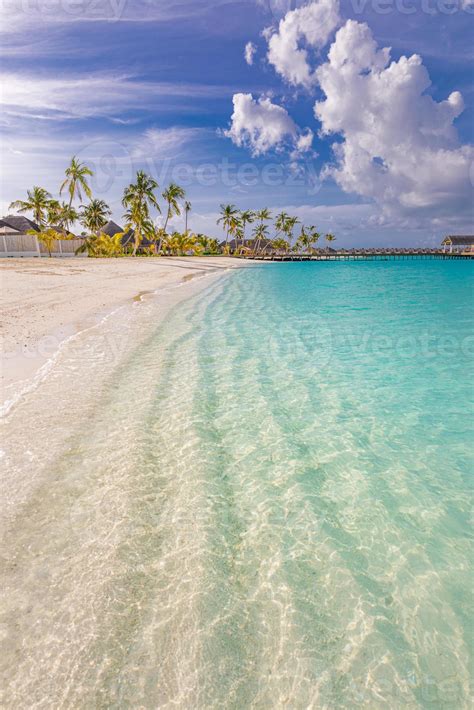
x=262, y=126
x=399, y=147
x=305, y=141
x=311, y=26
x=249, y=53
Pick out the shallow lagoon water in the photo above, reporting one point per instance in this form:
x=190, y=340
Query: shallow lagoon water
x=262, y=501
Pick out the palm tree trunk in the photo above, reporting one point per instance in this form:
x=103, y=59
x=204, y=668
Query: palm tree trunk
x=136, y=237
x=167, y=219
x=71, y=195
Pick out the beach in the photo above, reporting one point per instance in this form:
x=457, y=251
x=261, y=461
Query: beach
x=43, y=301
x=247, y=490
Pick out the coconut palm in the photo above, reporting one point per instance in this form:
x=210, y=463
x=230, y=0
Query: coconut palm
x=330, y=238
x=260, y=232
x=95, y=215
x=187, y=210
x=67, y=215
x=171, y=195
x=137, y=219
x=102, y=245
x=60, y=214
x=203, y=242
x=238, y=234
x=75, y=182
x=290, y=224
x=280, y=222
x=235, y=230
x=281, y=244
x=263, y=215
x=228, y=216
x=246, y=217
x=304, y=240
x=138, y=198
x=181, y=244
x=37, y=201
x=315, y=235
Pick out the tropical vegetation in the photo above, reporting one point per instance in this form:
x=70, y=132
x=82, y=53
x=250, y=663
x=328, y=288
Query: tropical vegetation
x=145, y=234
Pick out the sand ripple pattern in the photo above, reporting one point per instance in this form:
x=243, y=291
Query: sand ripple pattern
x=256, y=507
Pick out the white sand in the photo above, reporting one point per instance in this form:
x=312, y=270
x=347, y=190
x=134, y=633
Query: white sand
x=45, y=300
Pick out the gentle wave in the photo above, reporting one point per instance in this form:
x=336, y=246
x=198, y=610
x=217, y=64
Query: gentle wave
x=265, y=503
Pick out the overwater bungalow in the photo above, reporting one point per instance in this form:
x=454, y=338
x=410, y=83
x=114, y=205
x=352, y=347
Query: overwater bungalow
x=461, y=243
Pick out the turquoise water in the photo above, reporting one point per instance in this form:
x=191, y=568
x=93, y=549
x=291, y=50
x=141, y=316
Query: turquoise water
x=267, y=505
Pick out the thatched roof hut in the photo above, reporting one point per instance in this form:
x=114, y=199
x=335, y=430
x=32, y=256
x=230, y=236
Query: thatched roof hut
x=459, y=241
x=112, y=228
x=17, y=224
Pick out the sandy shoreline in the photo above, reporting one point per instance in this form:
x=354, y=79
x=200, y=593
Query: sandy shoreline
x=45, y=301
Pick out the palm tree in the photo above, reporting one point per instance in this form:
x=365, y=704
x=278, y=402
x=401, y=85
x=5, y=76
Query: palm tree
x=213, y=246
x=60, y=214
x=330, y=238
x=280, y=222
x=137, y=219
x=53, y=212
x=181, y=243
x=228, y=217
x=290, y=224
x=67, y=215
x=260, y=232
x=236, y=231
x=315, y=235
x=102, y=245
x=94, y=215
x=76, y=174
x=171, y=195
x=281, y=244
x=138, y=198
x=303, y=240
x=246, y=217
x=263, y=215
x=47, y=236
x=38, y=201
x=187, y=210
x=203, y=242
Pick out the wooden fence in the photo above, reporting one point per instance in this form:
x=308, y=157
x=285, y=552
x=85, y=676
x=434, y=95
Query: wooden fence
x=29, y=245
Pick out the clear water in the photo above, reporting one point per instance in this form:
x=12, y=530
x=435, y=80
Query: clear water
x=263, y=502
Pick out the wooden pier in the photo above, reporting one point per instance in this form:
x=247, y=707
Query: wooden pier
x=362, y=255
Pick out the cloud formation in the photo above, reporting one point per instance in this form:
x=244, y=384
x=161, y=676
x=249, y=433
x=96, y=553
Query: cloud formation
x=87, y=95
x=249, y=53
x=310, y=25
x=399, y=145
x=261, y=126
x=396, y=146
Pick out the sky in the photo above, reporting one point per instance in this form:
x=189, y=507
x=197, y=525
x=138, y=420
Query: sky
x=356, y=116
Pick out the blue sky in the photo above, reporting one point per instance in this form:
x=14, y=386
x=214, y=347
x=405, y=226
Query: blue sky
x=322, y=123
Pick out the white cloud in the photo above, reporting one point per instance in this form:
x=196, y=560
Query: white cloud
x=163, y=142
x=20, y=15
x=305, y=141
x=87, y=95
x=262, y=126
x=249, y=53
x=400, y=147
x=311, y=24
